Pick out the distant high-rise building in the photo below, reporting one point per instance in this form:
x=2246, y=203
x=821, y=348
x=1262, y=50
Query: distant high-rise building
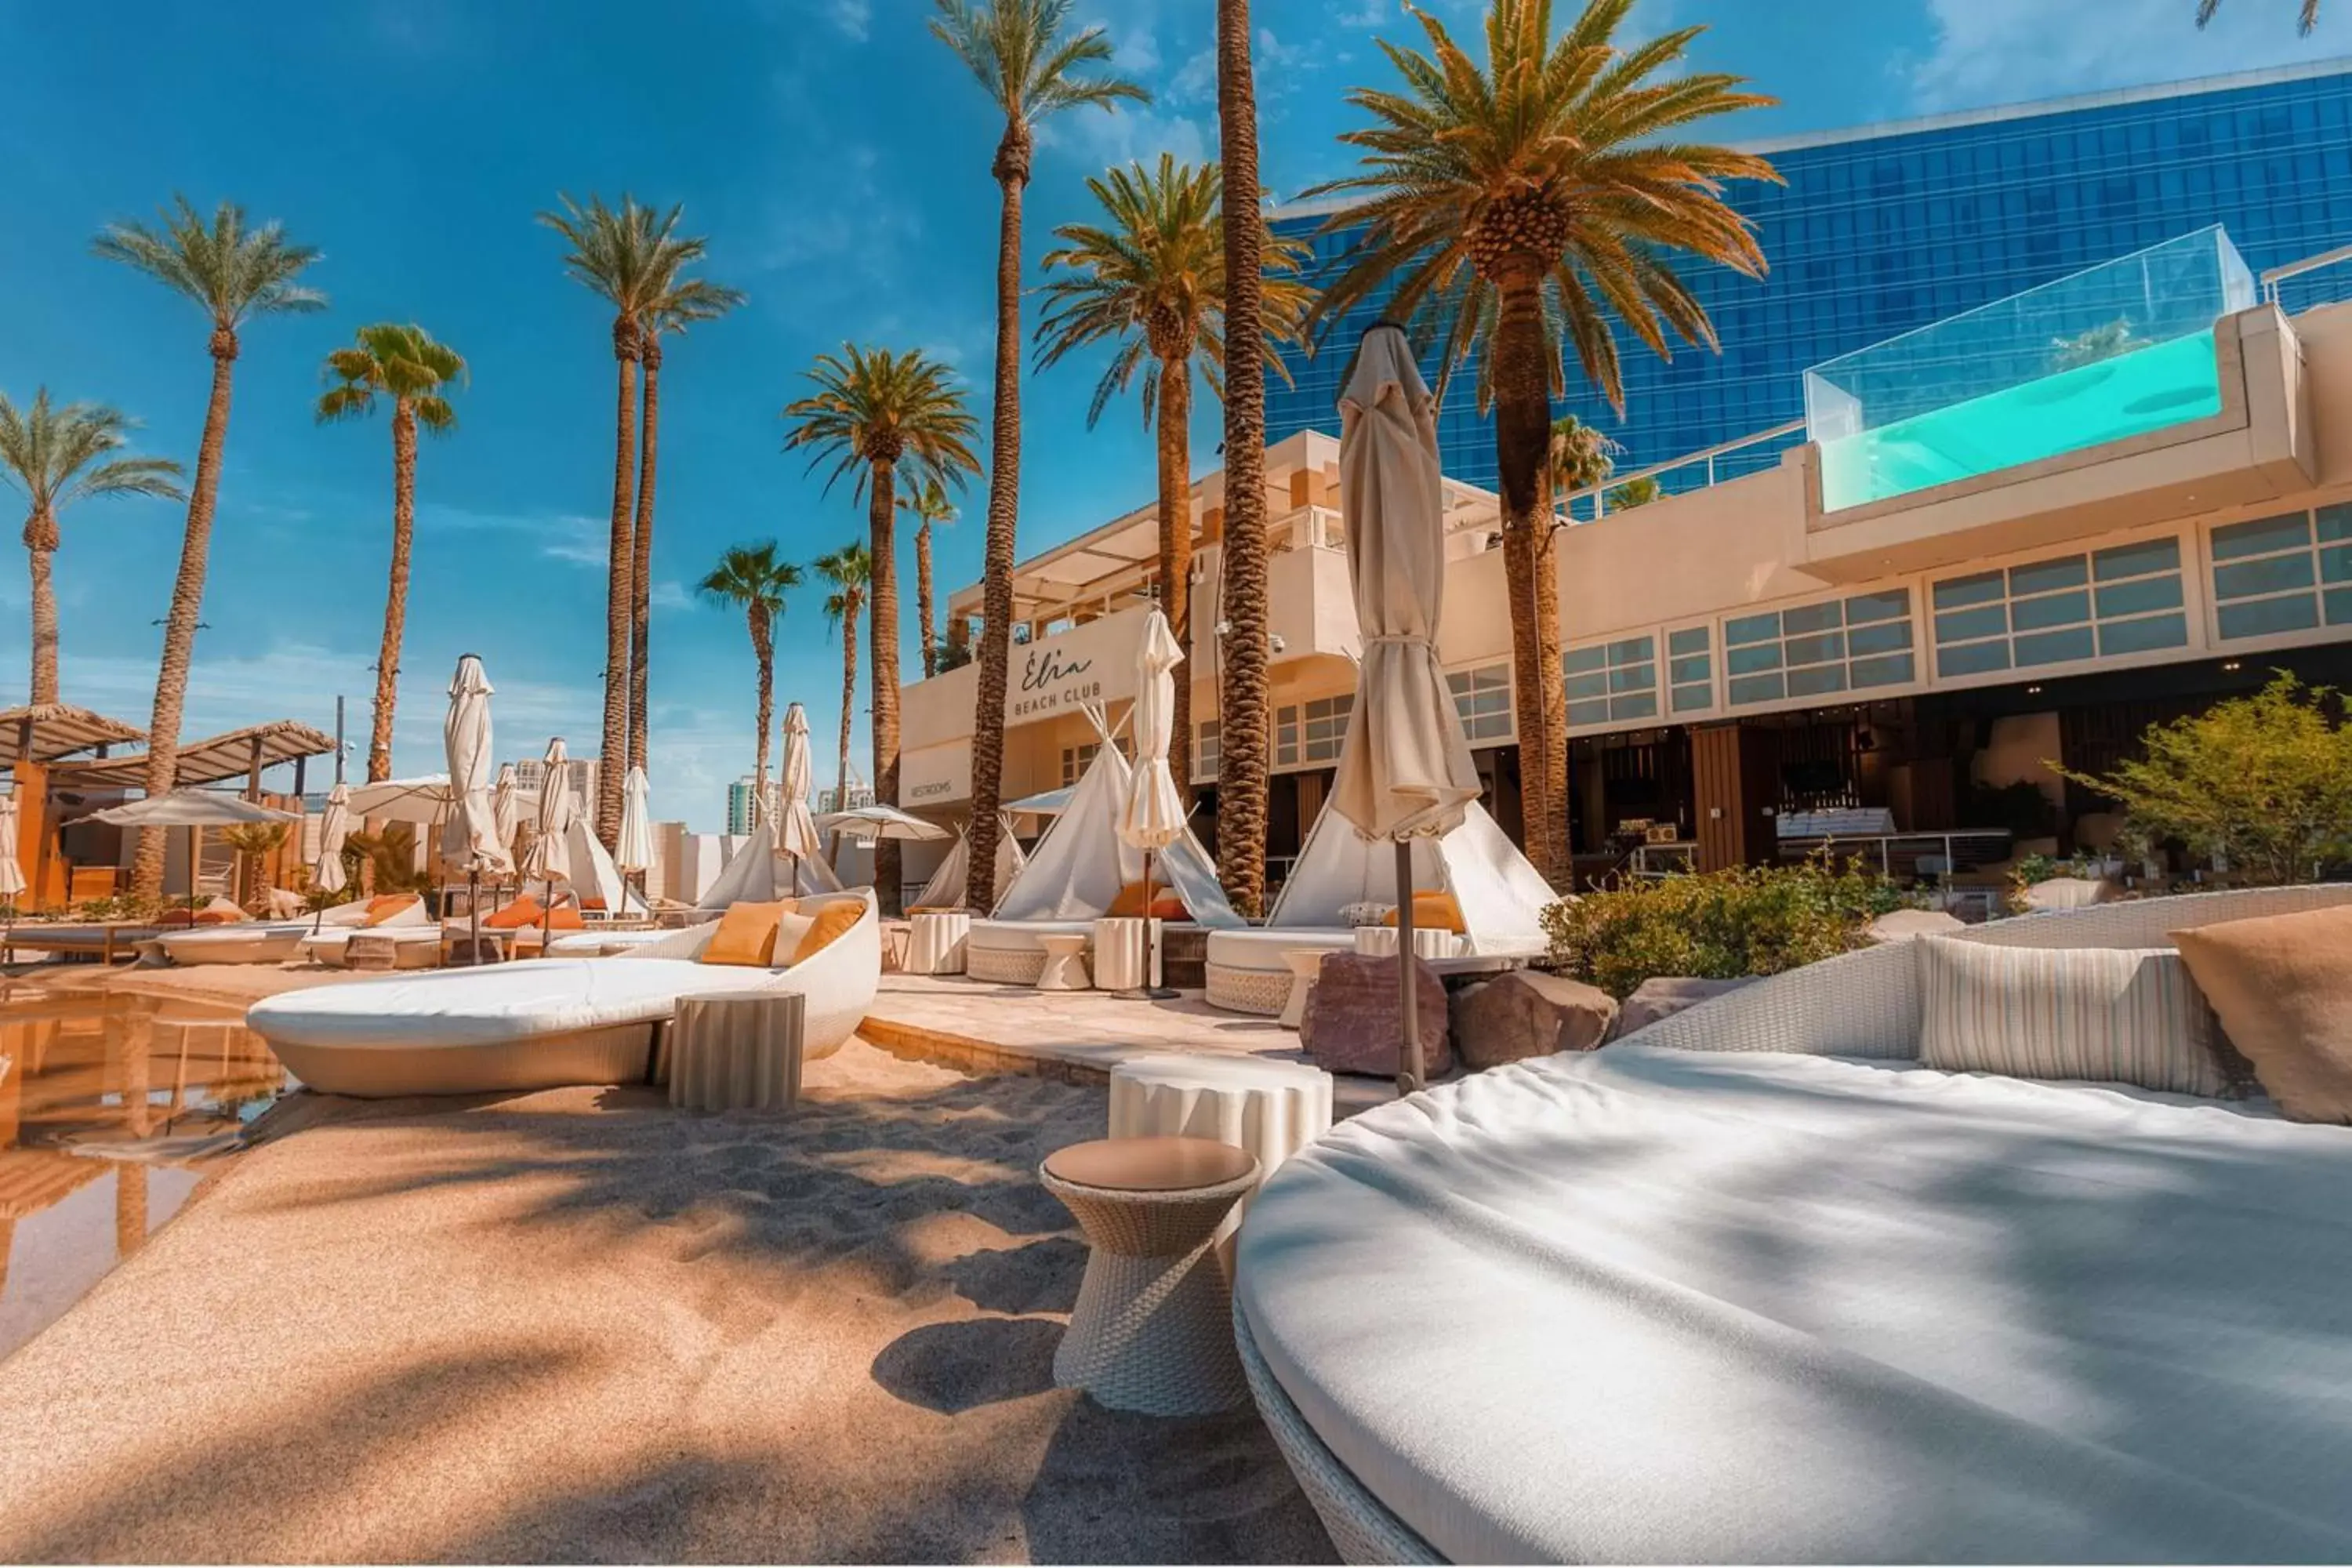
x=742, y=805
x=829, y=799
x=531, y=772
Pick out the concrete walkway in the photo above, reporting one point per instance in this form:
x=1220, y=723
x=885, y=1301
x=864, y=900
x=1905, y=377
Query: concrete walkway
x=1073, y=1035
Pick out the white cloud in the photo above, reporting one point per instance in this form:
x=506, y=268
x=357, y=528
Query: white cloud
x=1365, y=12
x=668, y=596
x=1132, y=134
x=1988, y=52
x=569, y=537
x=853, y=17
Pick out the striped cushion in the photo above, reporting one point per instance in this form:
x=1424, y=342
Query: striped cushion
x=2104, y=1014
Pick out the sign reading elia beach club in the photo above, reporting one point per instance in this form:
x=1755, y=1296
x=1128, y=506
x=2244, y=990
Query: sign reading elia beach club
x=1063, y=673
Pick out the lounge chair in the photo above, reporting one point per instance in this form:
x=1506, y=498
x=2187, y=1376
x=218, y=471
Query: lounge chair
x=412, y=926
x=556, y=1021
x=1754, y=1284
x=251, y=942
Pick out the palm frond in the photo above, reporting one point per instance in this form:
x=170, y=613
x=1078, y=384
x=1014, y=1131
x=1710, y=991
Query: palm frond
x=228, y=267
x=58, y=454
x=1024, y=57
x=873, y=406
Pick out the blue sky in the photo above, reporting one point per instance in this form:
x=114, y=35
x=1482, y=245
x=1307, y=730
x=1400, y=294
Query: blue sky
x=838, y=159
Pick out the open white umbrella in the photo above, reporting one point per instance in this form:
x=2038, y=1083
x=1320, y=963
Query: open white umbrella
x=194, y=810
x=796, y=833
x=1151, y=817
x=12, y=875
x=635, y=850
x=872, y=822
x=1404, y=769
x=550, y=860
x=472, y=834
x=424, y=800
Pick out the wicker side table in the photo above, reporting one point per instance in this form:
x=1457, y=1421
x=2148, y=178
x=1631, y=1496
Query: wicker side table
x=1152, y=1331
x=737, y=1051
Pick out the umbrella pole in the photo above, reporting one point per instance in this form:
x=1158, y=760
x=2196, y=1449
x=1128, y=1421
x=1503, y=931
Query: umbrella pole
x=1409, y=1049
x=474, y=911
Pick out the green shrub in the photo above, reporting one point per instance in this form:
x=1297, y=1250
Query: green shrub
x=1718, y=925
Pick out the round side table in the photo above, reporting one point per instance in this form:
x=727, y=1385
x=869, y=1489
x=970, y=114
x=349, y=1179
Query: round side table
x=1268, y=1107
x=1065, y=970
x=1380, y=941
x=1306, y=968
x=737, y=1050
x=1152, y=1331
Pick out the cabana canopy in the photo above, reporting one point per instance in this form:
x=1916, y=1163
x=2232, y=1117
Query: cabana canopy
x=58, y=730
x=214, y=760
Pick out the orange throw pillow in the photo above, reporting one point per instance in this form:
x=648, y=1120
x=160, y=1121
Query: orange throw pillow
x=524, y=911
x=565, y=918
x=381, y=909
x=1132, y=898
x=2282, y=987
x=746, y=935
x=833, y=920
x=1432, y=911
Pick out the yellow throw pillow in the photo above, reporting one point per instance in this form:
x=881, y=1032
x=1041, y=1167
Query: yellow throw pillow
x=746, y=935
x=1432, y=911
x=2283, y=987
x=381, y=909
x=833, y=920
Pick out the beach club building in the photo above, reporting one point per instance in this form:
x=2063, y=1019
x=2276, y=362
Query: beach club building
x=2014, y=537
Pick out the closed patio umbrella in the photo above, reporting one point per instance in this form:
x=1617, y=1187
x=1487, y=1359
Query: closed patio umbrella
x=796, y=833
x=472, y=834
x=1404, y=768
x=550, y=855
x=635, y=850
x=1151, y=817
x=334, y=826
x=507, y=807
x=12, y=876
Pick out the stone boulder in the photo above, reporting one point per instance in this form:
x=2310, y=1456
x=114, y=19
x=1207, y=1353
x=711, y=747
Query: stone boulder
x=1526, y=1014
x=1909, y=925
x=1655, y=999
x=1352, y=1024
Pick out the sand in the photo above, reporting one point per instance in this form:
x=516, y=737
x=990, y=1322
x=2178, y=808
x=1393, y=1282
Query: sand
x=580, y=1326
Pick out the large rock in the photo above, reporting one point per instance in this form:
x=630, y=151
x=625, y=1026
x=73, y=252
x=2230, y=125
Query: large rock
x=1655, y=999
x=1524, y=1014
x=1352, y=1024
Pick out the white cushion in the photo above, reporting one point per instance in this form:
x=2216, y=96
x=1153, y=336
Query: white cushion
x=1014, y=936
x=493, y=1004
x=1644, y=1305
x=588, y=943
x=1261, y=951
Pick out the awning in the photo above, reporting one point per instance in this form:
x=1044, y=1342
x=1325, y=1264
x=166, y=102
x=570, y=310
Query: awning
x=59, y=730
x=214, y=760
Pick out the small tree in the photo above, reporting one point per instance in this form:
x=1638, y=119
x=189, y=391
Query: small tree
x=2263, y=782
x=1633, y=493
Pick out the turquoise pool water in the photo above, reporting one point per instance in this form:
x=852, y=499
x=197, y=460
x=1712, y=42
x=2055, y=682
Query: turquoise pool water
x=2145, y=390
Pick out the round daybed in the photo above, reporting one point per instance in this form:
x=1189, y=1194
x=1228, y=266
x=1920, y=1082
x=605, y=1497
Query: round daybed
x=243, y=941
x=1006, y=951
x=548, y=1022
x=1247, y=972
x=1752, y=1286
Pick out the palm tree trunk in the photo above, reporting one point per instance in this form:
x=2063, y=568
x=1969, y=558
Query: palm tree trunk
x=41, y=541
x=395, y=598
x=923, y=597
x=620, y=555
x=849, y=709
x=180, y=622
x=1244, y=745
x=1176, y=548
x=1522, y=436
x=882, y=631
x=763, y=647
x=1011, y=172
x=641, y=555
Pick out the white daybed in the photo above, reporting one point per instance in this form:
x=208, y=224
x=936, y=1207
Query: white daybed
x=413, y=929
x=1501, y=893
x=1712, y=1294
x=554, y=1021
x=250, y=941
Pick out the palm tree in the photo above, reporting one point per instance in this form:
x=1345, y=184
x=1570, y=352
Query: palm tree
x=688, y=301
x=406, y=364
x=927, y=505
x=1027, y=61
x=750, y=577
x=1245, y=745
x=629, y=257
x=2306, y=20
x=1511, y=210
x=58, y=455
x=1152, y=280
x=1578, y=456
x=872, y=411
x=233, y=272
x=849, y=570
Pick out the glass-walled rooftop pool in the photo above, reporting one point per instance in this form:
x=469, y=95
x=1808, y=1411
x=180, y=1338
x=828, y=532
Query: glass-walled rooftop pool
x=2119, y=350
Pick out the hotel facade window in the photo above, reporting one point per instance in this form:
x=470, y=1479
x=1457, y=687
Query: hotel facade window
x=1816, y=650
x=1075, y=760
x=1612, y=681
x=2104, y=604
x=1207, y=752
x=1483, y=699
x=2289, y=573
x=1311, y=733
x=1690, y=669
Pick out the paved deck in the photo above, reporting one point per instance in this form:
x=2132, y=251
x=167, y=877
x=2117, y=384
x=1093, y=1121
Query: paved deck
x=1074, y=1036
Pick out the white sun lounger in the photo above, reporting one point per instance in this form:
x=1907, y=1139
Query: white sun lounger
x=547, y=1023
x=414, y=928
x=251, y=942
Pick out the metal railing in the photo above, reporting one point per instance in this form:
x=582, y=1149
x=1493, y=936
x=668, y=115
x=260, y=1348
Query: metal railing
x=1708, y=457
x=2273, y=277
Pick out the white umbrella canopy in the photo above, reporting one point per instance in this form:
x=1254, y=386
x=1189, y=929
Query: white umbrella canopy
x=550, y=855
x=1404, y=768
x=636, y=851
x=190, y=808
x=471, y=837
x=424, y=800
x=12, y=876
x=796, y=831
x=879, y=821
x=334, y=826
x=1152, y=815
